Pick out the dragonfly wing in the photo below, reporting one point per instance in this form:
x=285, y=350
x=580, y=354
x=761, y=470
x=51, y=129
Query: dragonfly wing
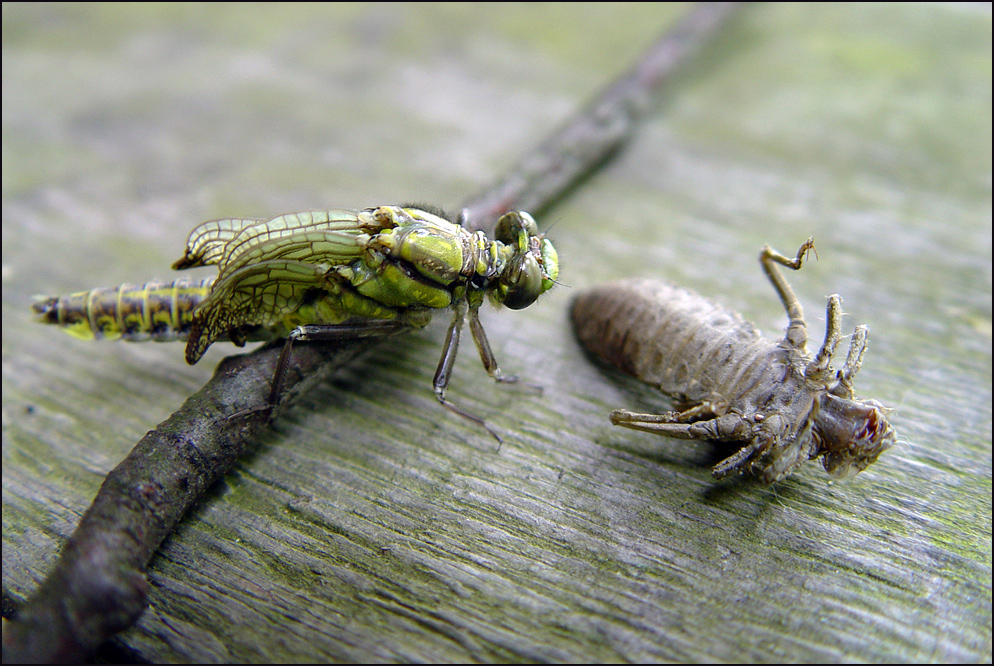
x=347, y=229
x=260, y=294
x=312, y=248
x=207, y=241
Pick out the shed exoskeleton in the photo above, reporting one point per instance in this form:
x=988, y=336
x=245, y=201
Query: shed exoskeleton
x=728, y=383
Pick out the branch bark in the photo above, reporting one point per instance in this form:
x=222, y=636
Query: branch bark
x=591, y=136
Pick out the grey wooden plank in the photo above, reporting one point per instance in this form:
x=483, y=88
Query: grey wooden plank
x=371, y=524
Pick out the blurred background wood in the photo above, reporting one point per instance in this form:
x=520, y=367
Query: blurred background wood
x=374, y=525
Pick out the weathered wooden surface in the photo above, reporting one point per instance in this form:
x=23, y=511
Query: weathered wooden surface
x=374, y=525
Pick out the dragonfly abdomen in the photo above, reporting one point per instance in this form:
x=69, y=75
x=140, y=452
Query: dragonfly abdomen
x=160, y=311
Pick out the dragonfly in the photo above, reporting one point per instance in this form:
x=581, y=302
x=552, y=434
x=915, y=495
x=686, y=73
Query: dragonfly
x=326, y=275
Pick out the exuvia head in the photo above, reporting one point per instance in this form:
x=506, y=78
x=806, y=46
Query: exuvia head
x=852, y=434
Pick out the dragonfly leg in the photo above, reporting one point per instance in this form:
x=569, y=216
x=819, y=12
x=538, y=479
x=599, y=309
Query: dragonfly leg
x=483, y=346
x=487, y=355
x=444, y=370
x=324, y=333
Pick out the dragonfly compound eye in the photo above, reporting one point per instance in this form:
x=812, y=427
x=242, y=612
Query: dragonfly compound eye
x=521, y=282
x=515, y=228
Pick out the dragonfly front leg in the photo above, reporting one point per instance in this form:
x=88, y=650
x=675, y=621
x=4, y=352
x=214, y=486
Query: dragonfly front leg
x=483, y=346
x=487, y=355
x=444, y=370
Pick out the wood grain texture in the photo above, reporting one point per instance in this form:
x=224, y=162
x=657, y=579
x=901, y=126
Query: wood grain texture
x=371, y=524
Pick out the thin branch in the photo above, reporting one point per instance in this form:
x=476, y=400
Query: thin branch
x=98, y=586
x=588, y=138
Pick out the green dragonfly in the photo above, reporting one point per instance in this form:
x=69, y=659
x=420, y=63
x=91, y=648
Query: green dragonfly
x=326, y=275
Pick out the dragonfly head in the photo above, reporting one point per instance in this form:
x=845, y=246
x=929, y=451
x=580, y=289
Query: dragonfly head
x=534, y=264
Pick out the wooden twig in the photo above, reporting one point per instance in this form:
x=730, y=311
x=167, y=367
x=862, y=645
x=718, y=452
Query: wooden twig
x=98, y=586
x=589, y=137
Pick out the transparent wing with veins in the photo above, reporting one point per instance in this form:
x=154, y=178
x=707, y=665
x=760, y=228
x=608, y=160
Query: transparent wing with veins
x=258, y=295
x=236, y=242
x=268, y=270
x=206, y=243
